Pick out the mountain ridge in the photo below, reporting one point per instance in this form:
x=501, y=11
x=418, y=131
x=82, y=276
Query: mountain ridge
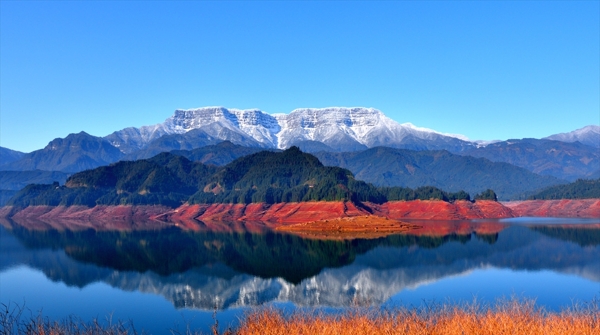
x=588, y=135
x=384, y=166
x=74, y=153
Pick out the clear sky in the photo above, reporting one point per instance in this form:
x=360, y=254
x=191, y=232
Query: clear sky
x=487, y=70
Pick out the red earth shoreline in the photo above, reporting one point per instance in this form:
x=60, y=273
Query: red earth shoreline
x=580, y=208
x=291, y=213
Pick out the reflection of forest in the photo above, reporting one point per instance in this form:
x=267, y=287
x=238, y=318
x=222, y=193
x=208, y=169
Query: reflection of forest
x=231, y=269
x=584, y=235
x=265, y=255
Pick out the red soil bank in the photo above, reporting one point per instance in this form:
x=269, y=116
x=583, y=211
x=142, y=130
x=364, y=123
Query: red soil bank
x=440, y=210
x=577, y=208
x=283, y=213
x=297, y=212
x=257, y=217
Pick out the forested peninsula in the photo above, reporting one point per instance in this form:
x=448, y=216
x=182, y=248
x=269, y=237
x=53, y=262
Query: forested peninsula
x=286, y=187
x=264, y=177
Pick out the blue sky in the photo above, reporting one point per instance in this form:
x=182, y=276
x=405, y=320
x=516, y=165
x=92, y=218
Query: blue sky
x=488, y=70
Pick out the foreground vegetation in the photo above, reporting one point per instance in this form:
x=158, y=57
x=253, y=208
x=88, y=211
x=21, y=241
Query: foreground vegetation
x=505, y=317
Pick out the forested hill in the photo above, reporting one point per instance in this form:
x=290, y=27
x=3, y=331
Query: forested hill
x=580, y=189
x=164, y=179
x=170, y=180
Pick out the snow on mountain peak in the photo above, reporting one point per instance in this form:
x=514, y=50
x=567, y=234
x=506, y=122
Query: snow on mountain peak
x=589, y=135
x=341, y=128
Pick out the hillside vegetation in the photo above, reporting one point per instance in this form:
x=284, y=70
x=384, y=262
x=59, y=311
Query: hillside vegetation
x=397, y=167
x=580, y=189
x=170, y=180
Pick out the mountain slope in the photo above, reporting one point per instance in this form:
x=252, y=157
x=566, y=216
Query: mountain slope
x=396, y=167
x=16, y=180
x=9, y=156
x=563, y=160
x=218, y=154
x=191, y=140
x=589, y=135
x=74, y=153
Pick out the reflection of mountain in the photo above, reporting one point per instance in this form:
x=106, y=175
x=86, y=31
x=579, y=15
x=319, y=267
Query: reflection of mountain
x=345, y=273
x=171, y=250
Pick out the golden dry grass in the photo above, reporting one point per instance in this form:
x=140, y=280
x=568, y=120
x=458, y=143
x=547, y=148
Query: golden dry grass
x=507, y=317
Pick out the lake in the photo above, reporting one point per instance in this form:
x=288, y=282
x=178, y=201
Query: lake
x=169, y=279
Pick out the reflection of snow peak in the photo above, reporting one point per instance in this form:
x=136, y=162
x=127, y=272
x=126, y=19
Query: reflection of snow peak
x=338, y=127
x=333, y=288
x=371, y=280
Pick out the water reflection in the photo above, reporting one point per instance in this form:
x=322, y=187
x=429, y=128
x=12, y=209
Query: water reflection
x=205, y=270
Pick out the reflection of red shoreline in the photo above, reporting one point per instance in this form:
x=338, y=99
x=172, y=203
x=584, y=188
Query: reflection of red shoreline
x=444, y=228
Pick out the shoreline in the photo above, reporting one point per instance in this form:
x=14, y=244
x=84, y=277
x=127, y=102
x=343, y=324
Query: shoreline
x=309, y=218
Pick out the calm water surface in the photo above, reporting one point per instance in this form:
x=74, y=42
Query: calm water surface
x=168, y=279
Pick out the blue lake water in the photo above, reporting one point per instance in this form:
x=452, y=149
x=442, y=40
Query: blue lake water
x=170, y=279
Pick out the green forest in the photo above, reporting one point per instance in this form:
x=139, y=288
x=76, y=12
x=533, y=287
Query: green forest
x=580, y=189
x=171, y=180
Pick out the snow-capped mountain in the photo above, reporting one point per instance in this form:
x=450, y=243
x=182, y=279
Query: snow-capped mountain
x=340, y=128
x=245, y=127
x=589, y=135
x=350, y=129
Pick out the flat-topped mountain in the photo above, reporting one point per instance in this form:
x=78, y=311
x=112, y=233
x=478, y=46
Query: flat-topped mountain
x=339, y=128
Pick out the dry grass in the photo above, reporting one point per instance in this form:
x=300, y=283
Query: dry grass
x=16, y=319
x=505, y=317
